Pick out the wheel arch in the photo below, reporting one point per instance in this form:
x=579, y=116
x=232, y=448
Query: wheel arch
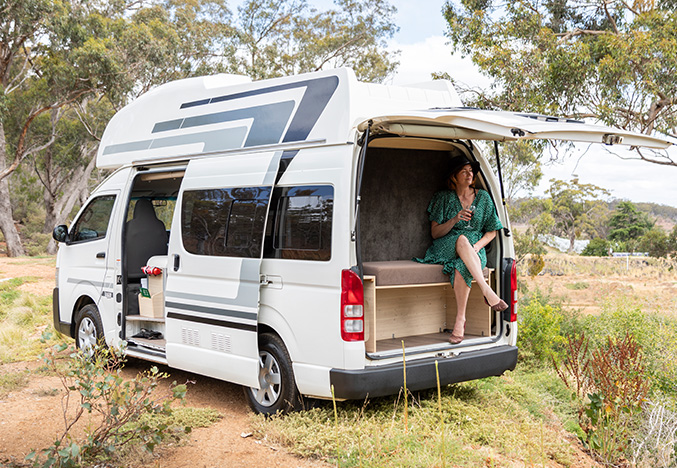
x=271, y=321
x=79, y=304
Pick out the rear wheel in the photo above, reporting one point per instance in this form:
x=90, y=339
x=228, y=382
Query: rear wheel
x=89, y=330
x=277, y=390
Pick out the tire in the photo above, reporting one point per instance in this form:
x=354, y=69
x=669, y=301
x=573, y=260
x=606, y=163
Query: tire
x=88, y=329
x=277, y=392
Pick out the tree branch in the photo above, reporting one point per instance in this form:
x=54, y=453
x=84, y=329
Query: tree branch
x=21, y=152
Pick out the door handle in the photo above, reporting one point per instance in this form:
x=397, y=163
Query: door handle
x=101, y=255
x=176, y=262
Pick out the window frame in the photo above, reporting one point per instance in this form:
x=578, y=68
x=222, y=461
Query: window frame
x=78, y=220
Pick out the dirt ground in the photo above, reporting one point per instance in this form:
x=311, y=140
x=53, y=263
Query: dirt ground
x=32, y=418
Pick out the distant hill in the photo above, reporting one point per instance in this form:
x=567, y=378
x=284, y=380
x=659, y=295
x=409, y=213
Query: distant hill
x=665, y=216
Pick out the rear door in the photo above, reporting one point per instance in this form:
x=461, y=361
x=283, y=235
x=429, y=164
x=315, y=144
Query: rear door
x=476, y=124
x=213, y=271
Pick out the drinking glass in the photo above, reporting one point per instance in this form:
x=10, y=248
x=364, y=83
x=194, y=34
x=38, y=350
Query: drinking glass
x=472, y=213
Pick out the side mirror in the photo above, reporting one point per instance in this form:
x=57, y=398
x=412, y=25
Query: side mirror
x=60, y=233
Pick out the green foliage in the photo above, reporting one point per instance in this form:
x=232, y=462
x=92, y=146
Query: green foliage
x=285, y=37
x=597, y=247
x=655, y=241
x=614, y=62
x=540, y=328
x=573, y=206
x=120, y=405
x=627, y=223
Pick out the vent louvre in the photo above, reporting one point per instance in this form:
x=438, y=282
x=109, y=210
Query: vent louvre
x=190, y=336
x=221, y=342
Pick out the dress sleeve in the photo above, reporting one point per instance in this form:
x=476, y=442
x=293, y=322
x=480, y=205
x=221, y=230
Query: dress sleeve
x=491, y=221
x=436, y=208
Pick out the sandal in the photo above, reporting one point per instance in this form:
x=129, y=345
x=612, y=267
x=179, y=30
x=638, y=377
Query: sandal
x=455, y=339
x=500, y=306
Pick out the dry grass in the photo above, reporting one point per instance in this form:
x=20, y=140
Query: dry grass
x=587, y=283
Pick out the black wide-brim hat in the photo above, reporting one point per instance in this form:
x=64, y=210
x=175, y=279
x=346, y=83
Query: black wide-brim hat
x=458, y=162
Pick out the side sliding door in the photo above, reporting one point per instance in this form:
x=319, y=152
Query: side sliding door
x=213, y=271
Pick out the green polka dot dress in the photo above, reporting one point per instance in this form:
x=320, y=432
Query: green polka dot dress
x=444, y=206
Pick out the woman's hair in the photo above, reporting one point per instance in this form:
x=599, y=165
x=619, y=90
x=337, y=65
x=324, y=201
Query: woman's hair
x=450, y=178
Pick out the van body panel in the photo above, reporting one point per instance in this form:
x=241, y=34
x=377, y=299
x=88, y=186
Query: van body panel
x=313, y=380
x=421, y=374
x=91, y=274
x=212, y=300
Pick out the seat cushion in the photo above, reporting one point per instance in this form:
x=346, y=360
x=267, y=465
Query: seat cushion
x=404, y=272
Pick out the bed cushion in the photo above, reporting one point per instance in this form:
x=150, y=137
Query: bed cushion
x=407, y=272
x=404, y=272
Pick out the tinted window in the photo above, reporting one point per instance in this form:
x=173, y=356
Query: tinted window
x=224, y=222
x=300, y=227
x=93, y=222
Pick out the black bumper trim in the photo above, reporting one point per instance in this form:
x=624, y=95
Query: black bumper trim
x=388, y=380
x=61, y=327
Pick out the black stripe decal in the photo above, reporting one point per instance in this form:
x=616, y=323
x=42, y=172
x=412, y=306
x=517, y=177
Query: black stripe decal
x=268, y=122
x=318, y=93
x=212, y=310
x=210, y=321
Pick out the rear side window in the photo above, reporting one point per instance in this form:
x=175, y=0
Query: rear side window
x=93, y=222
x=300, y=223
x=226, y=222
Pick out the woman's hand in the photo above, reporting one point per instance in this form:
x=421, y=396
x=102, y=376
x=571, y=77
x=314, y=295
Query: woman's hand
x=465, y=214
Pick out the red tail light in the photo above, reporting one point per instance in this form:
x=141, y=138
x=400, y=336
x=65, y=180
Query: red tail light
x=352, y=307
x=513, y=292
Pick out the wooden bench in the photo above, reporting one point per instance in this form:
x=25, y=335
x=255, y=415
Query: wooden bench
x=405, y=299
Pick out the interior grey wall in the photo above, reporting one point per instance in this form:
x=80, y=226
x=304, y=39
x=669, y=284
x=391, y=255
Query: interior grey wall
x=396, y=190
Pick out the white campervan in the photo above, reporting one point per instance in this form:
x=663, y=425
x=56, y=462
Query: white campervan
x=262, y=233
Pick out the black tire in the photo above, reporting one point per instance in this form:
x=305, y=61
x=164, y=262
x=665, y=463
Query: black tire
x=277, y=392
x=89, y=329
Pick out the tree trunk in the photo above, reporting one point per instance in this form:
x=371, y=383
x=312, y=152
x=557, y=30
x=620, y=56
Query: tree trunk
x=75, y=190
x=14, y=247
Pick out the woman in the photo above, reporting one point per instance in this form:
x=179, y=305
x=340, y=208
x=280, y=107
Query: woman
x=463, y=221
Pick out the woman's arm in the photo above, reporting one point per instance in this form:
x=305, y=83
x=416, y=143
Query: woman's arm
x=486, y=238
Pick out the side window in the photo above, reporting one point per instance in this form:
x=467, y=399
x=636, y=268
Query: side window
x=93, y=222
x=300, y=227
x=224, y=222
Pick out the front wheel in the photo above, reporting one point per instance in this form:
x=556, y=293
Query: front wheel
x=89, y=330
x=277, y=390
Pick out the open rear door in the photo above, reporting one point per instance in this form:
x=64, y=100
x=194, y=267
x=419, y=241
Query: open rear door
x=215, y=250
x=476, y=124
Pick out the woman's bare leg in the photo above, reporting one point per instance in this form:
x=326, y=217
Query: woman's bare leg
x=467, y=253
x=462, y=292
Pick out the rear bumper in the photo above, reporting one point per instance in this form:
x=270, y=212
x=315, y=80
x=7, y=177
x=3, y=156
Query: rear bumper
x=62, y=327
x=421, y=375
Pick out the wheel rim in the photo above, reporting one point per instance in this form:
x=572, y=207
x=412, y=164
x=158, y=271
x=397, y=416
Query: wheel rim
x=270, y=380
x=87, y=335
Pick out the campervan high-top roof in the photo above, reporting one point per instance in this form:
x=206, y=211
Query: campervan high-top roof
x=198, y=116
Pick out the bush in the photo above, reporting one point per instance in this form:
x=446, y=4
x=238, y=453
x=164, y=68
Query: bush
x=543, y=325
x=122, y=408
x=597, y=247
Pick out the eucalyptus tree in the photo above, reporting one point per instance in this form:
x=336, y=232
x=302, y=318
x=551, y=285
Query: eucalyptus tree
x=610, y=60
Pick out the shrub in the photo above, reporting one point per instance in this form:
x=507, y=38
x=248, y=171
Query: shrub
x=543, y=325
x=615, y=374
x=597, y=247
x=122, y=407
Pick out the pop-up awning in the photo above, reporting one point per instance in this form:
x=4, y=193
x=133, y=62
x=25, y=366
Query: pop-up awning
x=475, y=124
